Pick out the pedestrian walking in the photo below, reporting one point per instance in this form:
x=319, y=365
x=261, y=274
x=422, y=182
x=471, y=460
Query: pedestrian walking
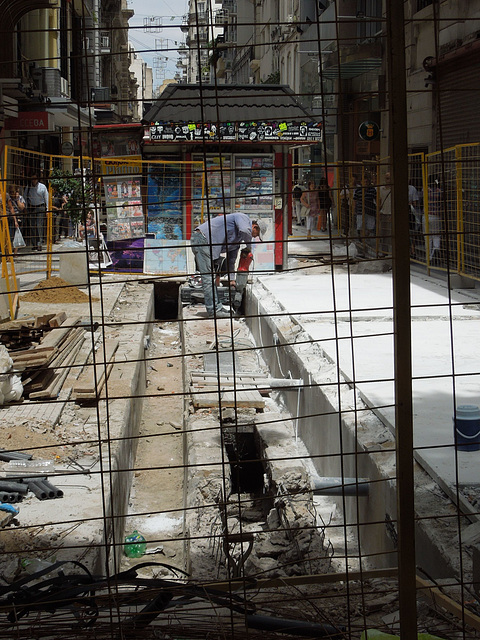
x=365, y=198
x=61, y=219
x=434, y=220
x=325, y=203
x=36, y=197
x=297, y=191
x=18, y=208
x=385, y=205
x=412, y=218
x=311, y=204
x=222, y=234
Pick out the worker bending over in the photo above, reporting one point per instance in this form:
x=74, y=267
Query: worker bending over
x=223, y=234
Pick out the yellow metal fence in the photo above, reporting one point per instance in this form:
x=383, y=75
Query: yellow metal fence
x=444, y=209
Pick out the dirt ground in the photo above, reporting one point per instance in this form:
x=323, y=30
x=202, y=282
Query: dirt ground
x=156, y=499
x=56, y=290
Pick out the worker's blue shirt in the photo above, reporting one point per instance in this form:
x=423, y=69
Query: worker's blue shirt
x=226, y=234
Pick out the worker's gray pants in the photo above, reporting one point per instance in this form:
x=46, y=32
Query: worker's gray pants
x=202, y=252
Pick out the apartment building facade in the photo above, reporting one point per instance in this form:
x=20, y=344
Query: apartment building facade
x=331, y=53
x=65, y=67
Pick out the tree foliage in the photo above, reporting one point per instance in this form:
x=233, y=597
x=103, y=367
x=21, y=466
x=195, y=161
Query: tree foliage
x=79, y=191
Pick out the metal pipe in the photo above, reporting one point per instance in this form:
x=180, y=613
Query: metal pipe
x=58, y=493
x=6, y=456
x=340, y=486
x=37, y=490
x=278, y=383
x=50, y=491
x=293, y=627
x=13, y=487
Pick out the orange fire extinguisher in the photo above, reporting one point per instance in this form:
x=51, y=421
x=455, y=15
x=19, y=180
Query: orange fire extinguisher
x=246, y=259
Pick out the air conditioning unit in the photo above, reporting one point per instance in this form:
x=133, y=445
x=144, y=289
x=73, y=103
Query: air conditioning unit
x=64, y=88
x=52, y=82
x=101, y=94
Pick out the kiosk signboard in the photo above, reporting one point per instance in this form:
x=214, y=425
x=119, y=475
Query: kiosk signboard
x=281, y=131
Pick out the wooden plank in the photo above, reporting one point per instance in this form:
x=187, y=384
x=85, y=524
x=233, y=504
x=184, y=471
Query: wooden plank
x=41, y=381
x=86, y=380
x=93, y=396
x=17, y=324
x=29, y=363
x=266, y=383
x=28, y=352
x=57, y=320
x=74, y=337
x=55, y=386
x=433, y=593
x=41, y=321
x=55, y=336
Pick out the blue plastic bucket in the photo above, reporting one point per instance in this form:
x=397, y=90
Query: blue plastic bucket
x=467, y=427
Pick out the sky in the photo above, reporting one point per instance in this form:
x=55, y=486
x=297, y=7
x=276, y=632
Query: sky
x=165, y=16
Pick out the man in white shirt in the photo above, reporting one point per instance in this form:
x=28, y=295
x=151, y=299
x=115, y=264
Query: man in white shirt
x=36, y=196
x=385, y=202
x=414, y=222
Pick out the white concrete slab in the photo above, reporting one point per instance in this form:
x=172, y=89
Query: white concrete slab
x=357, y=308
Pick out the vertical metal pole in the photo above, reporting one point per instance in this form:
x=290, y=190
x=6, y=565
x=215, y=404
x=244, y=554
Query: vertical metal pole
x=395, y=54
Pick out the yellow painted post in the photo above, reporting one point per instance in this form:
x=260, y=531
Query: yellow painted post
x=7, y=251
x=49, y=237
x=460, y=225
x=425, y=207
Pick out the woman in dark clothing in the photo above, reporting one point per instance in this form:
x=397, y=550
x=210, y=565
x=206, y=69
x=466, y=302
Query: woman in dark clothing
x=325, y=202
x=365, y=198
x=15, y=206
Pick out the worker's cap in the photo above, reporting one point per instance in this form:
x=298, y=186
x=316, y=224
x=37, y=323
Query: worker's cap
x=262, y=225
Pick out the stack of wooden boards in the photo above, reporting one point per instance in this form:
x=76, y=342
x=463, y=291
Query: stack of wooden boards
x=44, y=350
x=44, y=366
x=91, y=381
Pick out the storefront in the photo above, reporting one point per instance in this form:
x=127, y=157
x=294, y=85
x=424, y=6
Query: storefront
x=122, y=218
x=213, y=150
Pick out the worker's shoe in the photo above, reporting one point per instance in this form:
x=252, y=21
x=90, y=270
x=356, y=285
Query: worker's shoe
x=224, y=312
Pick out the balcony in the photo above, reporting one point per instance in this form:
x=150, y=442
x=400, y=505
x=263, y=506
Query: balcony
x=352, y=61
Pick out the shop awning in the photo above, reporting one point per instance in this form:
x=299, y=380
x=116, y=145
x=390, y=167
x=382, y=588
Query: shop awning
x=235, y=113
x=226, y=103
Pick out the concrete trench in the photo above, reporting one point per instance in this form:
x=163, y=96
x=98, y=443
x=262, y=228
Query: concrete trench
x=249, y=504
x=88, y=523
x=224, y=515
x=344, y=438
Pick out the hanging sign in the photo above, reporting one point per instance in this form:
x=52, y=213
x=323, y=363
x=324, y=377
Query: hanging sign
x=369, y=131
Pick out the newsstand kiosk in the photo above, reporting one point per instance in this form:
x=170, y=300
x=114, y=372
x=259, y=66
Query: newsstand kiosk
x=212, y=150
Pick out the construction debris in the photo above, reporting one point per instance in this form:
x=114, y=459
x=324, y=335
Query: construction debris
x=42, y=350
x=92, y=380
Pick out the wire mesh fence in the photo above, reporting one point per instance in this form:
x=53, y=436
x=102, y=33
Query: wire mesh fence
x=302, y=458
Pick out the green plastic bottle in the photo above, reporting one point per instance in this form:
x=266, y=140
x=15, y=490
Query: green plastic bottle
x=135, y=545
